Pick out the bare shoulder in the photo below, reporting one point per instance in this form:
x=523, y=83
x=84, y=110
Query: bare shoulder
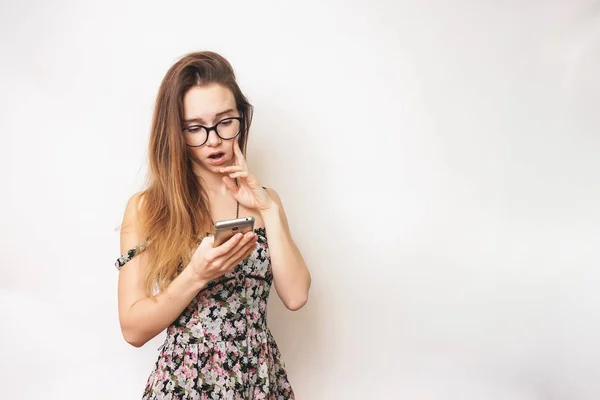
x=274, y=195
x=131, y=234
x=134, y=204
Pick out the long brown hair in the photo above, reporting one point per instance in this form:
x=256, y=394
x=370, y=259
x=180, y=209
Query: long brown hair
x=175, y=208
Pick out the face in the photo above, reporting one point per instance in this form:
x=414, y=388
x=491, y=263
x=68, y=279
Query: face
x=207, y=106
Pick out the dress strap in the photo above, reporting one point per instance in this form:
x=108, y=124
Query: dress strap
x=125, y=258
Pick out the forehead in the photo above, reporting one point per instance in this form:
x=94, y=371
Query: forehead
x=205, y=101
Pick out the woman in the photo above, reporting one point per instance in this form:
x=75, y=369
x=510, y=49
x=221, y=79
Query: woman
x=211, y=299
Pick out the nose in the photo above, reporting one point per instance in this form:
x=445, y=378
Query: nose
x=213, y=138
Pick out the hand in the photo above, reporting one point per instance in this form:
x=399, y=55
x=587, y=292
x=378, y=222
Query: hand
x=210, y=262
x=248, y=192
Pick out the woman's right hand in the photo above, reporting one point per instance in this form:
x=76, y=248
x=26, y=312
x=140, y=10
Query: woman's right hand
x=210, y=262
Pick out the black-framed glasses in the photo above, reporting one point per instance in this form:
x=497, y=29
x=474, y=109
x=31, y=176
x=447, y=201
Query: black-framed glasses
x=196, y=135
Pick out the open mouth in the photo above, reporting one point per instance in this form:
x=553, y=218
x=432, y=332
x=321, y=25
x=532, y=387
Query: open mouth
x=216, y=158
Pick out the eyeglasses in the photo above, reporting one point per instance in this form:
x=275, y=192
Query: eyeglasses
x=227, y=129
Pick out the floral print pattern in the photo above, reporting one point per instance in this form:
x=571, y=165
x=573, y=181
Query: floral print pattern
x=125, y=258
x=220, y=346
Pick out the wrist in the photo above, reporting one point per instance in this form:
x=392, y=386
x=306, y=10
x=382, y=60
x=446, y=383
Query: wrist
x=272, y=208
x=191, y=280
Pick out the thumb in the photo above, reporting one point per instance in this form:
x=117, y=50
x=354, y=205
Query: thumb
x=205, y=245
x=207, y=242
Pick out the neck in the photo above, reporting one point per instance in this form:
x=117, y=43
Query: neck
x=215, y=188
x=212, y=182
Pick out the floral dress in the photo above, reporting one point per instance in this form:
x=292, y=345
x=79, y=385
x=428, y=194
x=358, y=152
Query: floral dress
x=220, y=346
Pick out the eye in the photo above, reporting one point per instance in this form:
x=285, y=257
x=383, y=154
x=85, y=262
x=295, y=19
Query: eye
x=194, y=128
x=226, y=122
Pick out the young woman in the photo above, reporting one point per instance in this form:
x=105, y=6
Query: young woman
x=211, y=299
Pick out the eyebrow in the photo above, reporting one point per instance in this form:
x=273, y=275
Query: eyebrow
x=196, y=119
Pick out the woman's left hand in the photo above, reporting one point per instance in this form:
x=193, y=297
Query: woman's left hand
x=248, y=192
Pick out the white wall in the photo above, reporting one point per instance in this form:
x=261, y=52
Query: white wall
x=438, y=161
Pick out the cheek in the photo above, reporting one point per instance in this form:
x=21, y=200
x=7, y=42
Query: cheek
x=195, y=154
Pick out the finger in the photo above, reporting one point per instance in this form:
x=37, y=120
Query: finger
x=250, y=251
x=245, y=239
x=230, y=184
x=228, y=246
x=204, y=248
x=232, y=168
x=239, y=156
x=240, y=256
x=207, y=242
x=231, y=260
x=240, y=251
x=241, y=174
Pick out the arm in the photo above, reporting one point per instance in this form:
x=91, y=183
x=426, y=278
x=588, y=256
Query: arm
x=142, y=317
x=291, y=275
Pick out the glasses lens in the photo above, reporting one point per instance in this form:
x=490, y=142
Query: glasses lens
x=228, y=128
x=195, y=135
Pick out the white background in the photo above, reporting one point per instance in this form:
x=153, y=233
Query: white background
x=438, y=161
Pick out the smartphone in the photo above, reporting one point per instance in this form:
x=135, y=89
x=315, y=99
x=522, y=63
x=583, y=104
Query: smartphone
x=224, y=230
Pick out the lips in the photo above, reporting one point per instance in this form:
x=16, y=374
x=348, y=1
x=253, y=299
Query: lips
x=216, y=158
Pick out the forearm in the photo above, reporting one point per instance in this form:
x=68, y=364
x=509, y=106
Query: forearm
x=148, y=317
x=290, y=273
